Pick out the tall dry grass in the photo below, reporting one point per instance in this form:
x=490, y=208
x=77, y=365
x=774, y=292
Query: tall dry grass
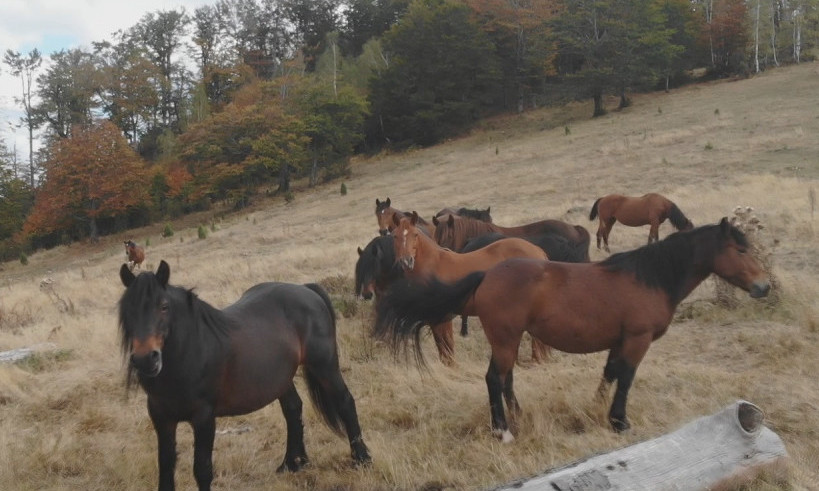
x=66, y=422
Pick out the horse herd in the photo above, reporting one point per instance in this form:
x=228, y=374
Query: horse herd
x=196, y=362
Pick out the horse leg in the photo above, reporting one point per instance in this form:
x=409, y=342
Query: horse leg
x=497, y=377
x=654, y=231
x=204, y=431
x=609, y=225
x=295, y=456
x=624, y=368
x=345, y=404
x=445, y=342
x=540, y=351
x=464, y=327
x=166, y=439
x=609, y=374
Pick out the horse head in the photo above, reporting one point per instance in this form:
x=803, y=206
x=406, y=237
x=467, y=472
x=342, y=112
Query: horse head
x=383, y=214
x=406, y=238
x=734, y=262
x=145, y=318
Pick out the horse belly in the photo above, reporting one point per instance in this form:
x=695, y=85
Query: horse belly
x=260, y=375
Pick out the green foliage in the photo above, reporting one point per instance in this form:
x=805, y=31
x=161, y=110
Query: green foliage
x=147, y=241
x=167, y=231
x=202, y=232
x=709, y=146
x=288, y=198
x=343, y=189
x=442, y=76
x=23, y=259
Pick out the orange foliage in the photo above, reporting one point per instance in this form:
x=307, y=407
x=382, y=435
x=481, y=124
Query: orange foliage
x=93, y=174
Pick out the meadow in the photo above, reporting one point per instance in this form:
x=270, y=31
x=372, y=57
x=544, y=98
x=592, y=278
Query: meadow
x=66, y=421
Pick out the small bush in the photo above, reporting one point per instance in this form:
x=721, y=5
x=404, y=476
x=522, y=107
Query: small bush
x=202, y=232
x=567, y=131
x=289, y=197
x=23, y=259
x=709, y=146
x=147, y=241
x=167, y=231
x=343, y=189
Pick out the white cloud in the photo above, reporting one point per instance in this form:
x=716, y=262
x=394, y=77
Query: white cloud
x=52, y=25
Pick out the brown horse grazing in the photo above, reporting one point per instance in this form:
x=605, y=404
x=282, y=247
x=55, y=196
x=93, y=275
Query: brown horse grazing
x=196, y=363
x=385, y=215
x=422, y=259
x=454, y=231
x=482, y=215
x=621, y=304
x=135, y=255
x=649, y=209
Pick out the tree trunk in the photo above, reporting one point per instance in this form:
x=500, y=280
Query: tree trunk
x=599, y=110
x=284, y=179
x=756, y=37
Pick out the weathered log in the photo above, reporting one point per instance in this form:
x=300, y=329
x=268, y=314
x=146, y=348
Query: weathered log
x=18, y=354
x=721, y=451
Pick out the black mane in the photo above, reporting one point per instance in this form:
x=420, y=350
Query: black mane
x=195, y=324
x=668, y=263
x=377, y=260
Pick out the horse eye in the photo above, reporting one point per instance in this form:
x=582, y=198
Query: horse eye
x=163, y=307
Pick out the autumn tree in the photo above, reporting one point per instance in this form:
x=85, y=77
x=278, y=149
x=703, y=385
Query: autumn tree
x=728, y=34
x=92, y=175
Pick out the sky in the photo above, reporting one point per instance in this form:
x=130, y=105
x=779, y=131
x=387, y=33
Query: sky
x=53, y=25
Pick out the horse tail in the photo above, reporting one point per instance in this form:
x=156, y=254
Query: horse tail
x=680, y=221
x=582, y=247
x=408, y=306
x=593, y=213
x=328, y=407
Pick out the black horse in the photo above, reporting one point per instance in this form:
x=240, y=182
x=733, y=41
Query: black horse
x=196, y=363
x=376, y=268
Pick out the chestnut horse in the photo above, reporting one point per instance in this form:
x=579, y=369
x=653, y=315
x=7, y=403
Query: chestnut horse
x=620, y=304
x=385, y=213
x=422, y=259
x=453, y=231
x=135, y=255
x=196, y=363
x=482, y=215
x=649, y=209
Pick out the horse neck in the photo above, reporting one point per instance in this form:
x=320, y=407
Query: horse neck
x=197, y=335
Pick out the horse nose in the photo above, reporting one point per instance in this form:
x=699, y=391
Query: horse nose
x=367, y=295
x=149, y=364
x=760, y=289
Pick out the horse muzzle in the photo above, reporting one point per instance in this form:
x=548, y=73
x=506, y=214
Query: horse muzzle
x=382, y=232
x=760, y=289
x=148, y=365
x=408, y=263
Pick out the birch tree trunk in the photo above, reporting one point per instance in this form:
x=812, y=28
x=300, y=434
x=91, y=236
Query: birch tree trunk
x=756, y=37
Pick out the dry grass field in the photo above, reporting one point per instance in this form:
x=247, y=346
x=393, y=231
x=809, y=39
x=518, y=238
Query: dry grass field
x=67, y=423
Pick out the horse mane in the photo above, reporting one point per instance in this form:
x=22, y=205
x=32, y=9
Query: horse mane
x=205, y=325
x=462, y=227
x=666, y=264
x=676, y=217
x=367, y=262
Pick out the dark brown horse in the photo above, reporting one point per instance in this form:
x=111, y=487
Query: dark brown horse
x=453, y=231
x=482, y=215
x=196, y=363
x=649, y=209
x=621, y=304
x=135, y=255
x=422, y=259
x=376, y=268
x=385, y=215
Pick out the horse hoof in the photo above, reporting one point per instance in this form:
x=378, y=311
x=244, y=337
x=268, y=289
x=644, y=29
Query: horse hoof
x=293, y=465
x=361, y=457
x=619, y=425
x=505, y=436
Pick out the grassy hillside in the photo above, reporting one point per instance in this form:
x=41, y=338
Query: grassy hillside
x=66, y=422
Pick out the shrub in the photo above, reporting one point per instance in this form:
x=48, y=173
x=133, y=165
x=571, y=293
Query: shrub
x=343, y=189
x=167, y=231
x=202, y=232
x=23, y=259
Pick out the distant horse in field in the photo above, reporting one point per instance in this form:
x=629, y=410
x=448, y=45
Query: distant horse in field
x=620, y=304
x=197, y=363
x=385, y=213
x=482, y=215
x=135, y=255
x=453, y=231
x=649, y=209
x=422, y=259
x=557, y=247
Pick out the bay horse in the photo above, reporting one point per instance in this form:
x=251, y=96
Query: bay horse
x=197, y=363
x=385, y=214
x=454, y=231
x=557, y=247
x=135, y=254
x=620, y=304
x=375, y=268
x=482, y=215
x=422, y=259
x=648, y=209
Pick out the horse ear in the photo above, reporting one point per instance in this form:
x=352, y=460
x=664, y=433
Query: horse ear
x=724, y=225
x=387, y=202
x=360, y=251
x=435, y=221
x=377, y=202
x=487, y=209
x=451, y=221
x=163, y=272
x=126, y=275
x=414, y=218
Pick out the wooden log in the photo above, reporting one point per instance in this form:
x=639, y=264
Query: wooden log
x=721, y=451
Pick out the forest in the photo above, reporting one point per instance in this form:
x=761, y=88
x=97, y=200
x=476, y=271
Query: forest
x=189, y=110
